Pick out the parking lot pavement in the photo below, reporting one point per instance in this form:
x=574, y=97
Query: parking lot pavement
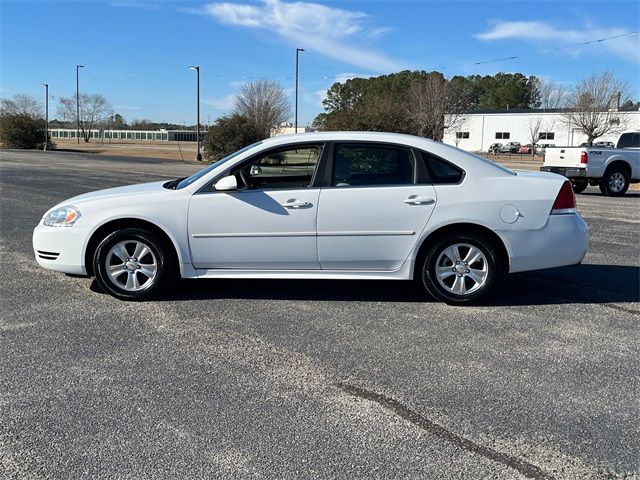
x=306, y=379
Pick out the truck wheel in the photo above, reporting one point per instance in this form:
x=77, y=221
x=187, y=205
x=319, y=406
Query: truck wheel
x=579, y=186
x=614, y=183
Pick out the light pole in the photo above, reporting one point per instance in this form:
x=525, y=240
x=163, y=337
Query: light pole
x=197, y=69
x=78, y=102
x=295, y=124
x=46, y=114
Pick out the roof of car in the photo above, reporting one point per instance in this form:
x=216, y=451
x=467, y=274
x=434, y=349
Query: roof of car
x=348, y=136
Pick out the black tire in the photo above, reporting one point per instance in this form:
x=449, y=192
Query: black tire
x=158, y=258
x=434, y=259
x=615, y=182
x=579, y=186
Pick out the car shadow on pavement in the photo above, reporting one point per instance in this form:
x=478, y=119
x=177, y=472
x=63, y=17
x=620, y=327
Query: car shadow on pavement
x=580, y=284
x=597, y=193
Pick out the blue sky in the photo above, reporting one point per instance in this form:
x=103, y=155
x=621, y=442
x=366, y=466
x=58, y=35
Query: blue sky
x=137, y=52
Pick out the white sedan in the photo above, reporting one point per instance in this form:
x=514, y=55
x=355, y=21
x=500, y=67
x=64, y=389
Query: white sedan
x=334, y=205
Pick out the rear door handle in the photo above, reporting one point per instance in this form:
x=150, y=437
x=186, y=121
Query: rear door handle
x=418, y=200
x=296, y=204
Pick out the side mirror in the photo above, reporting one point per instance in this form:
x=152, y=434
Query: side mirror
x=226, y=183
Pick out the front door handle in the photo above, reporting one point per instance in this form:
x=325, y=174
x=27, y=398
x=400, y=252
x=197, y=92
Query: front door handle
x=418, y=200
x=296, y=204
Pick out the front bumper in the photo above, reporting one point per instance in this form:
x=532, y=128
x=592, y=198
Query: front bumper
x=562, y=241
x=569, y=172
x=61, y=248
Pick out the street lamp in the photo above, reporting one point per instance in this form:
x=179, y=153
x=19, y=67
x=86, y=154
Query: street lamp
x=46, y=114
x=78, y=103
x=197, y=69
x=295, y=125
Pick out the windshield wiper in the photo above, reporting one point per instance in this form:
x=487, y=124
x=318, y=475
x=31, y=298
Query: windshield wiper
x=172, y=184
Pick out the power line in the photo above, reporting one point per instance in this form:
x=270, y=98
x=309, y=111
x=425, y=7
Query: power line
x=590, y=42
x=440, y=67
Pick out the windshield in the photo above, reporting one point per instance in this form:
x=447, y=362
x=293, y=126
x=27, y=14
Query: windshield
x=201, y=173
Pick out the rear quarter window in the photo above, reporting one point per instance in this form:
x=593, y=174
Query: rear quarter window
x=441, y=171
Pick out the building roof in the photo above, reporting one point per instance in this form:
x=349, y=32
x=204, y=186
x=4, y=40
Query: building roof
x=490, y=111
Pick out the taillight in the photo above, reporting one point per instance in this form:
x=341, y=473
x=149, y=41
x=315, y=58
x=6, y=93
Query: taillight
x=584, y=158
x=565, y=201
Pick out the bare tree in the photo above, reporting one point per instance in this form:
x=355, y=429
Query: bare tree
x=536, y=127
x=22, y=105
x=94, y=109
x=593, y=105
x=551, y=94
x=264, y=103
x=436, y=105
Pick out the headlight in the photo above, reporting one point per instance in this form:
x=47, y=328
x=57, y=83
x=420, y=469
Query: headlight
x=62, y=217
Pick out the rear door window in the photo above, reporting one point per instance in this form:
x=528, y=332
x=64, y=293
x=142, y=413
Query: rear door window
x=372, y=165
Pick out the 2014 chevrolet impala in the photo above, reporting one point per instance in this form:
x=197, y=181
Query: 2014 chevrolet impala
x=339, y=205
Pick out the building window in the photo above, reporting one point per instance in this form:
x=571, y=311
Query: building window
x=462, y=134
x=165, y=136
x=547, y=135
x=503, y=135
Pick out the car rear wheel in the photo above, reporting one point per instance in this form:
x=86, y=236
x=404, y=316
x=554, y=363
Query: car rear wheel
x=579, y=186
x=461, y=269
x=615, y=182
x=133, y=264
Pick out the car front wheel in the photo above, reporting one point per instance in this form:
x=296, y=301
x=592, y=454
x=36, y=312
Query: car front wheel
x=133, y=264
x=461, y=269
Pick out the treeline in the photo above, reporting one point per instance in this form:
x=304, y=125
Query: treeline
x=428, y=104
x=421, y=103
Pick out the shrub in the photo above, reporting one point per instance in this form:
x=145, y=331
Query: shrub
x=229, y=134
x=18, y=130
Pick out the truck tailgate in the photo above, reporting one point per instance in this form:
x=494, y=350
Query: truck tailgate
x=563, y=157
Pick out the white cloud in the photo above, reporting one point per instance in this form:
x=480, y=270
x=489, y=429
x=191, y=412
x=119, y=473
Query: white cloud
x=332, y=32
x=626, y=47
x=321, y=95
x=222, y=103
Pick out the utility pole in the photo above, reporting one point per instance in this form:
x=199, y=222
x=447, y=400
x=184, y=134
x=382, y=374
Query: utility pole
x=295, y=124
x=78, y=102
x=197, y=69
x=46, y=114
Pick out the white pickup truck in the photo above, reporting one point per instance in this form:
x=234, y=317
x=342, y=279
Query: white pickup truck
x=612, y=169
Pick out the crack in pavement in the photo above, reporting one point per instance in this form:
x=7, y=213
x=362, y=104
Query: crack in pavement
x=527, y=469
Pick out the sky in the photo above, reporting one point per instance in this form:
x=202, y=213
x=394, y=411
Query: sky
x=137, y=53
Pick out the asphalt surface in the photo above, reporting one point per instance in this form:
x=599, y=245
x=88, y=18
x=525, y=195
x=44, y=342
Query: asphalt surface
x=304, y=379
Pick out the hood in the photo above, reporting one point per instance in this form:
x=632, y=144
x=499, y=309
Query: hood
x=137, y=189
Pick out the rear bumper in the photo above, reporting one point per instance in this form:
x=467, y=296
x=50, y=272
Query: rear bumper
x=569, y=172
x=562, y=241
x=61, y=248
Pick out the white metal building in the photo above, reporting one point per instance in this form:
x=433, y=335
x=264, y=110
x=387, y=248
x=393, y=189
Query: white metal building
x=129, y=135
x=481, y=129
